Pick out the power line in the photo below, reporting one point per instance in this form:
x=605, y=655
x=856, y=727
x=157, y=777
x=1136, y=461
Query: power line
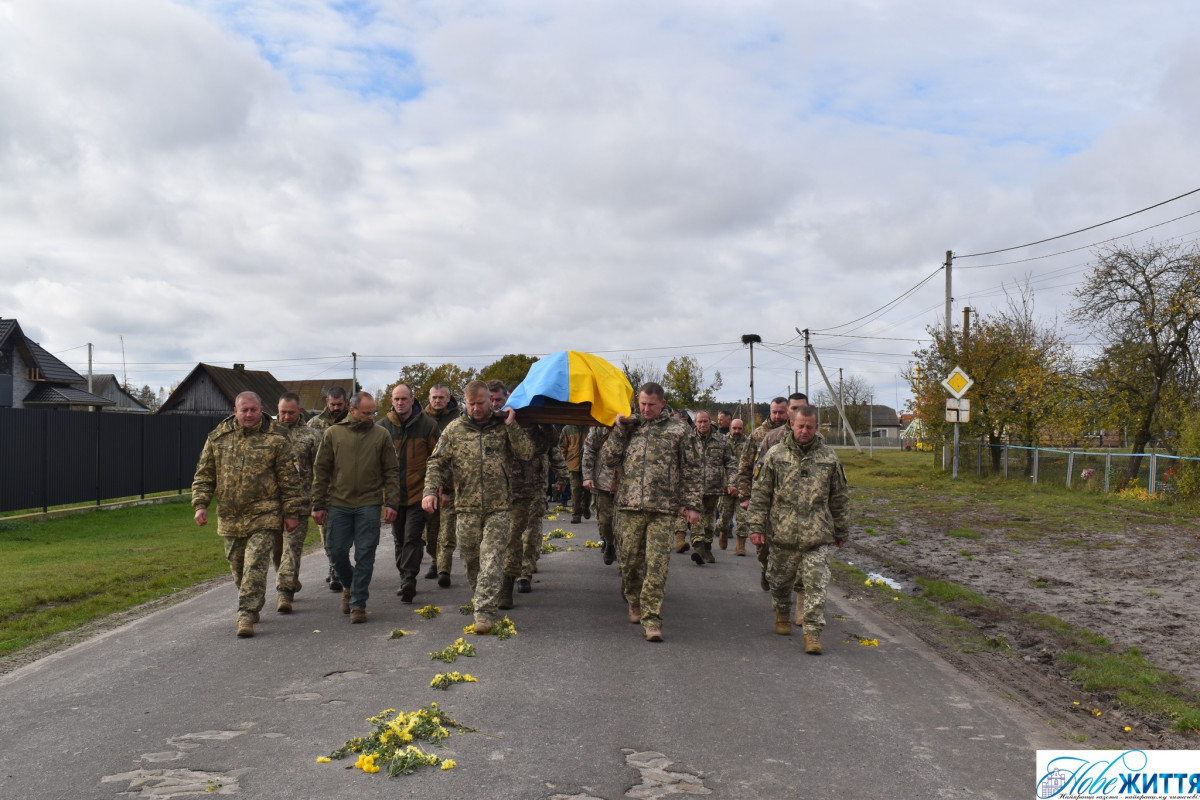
x=1081, y=230
x=923, y=281
x=1077, y=249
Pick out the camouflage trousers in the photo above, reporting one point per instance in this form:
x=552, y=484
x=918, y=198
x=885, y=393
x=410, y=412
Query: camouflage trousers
x=482, y=539
x=727, y=507
x=646, y=542
x=524, y=537
x=440, y=537
x=581, y=498
x=249, y=559
x=703, y=530
x=812, y=565
x=285, y=555
x=604, y=515
x=763, y=551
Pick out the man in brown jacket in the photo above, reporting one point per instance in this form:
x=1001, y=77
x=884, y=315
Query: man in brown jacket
x=414, y=435
x=356, y=473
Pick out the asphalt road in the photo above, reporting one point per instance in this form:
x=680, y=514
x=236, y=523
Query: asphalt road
x=576, y=705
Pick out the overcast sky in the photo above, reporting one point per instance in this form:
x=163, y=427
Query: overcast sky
x=283, y=183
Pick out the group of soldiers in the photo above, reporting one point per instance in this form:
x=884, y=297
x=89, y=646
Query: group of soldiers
x=475, y=479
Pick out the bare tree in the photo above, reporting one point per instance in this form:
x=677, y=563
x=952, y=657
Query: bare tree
x=1144, y=303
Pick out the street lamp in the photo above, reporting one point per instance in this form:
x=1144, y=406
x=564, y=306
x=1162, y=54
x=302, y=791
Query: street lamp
x=750, y=339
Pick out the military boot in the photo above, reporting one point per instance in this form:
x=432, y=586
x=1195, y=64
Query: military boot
x=283, y=604
x=506, y=592
x=245, y=628
x=812, y=644
x=483, y=626
x=709, y=558
x=698, y=554
x=783, y=625
x=799, y=608
x=345, y=601
x=723, y=539
x=681, y=544
x=740, y=549
x=762, y=581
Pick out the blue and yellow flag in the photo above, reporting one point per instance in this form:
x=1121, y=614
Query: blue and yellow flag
x=570, y=376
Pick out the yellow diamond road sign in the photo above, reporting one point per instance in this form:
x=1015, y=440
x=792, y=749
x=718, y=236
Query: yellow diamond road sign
x=957, y=382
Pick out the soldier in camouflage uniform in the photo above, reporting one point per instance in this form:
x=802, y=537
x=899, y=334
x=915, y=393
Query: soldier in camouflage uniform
x=443, y=408
x=290, y=547
x=656, y=457
x=476, y=449
x=528, y=507
x=247, y=466
x=718, y=473
x=746, y=466
x=729, y=502
x=336, y=408
x=800, y=496
x=601, y=482
x=571, y=443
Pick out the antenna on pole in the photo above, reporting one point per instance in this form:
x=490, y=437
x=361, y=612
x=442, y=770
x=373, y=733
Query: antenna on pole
x=124, y=368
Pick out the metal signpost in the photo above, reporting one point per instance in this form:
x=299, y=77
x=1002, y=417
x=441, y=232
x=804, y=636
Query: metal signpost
x=958, y=409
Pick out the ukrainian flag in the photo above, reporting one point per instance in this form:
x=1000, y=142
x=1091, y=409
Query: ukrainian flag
x=570, y=376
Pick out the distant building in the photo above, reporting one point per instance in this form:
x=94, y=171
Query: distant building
x=30, y=377
x=108, y=387
x=211, y=390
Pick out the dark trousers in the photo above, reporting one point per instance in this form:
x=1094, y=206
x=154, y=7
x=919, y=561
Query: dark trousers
x=356, y=528
x=408, y=533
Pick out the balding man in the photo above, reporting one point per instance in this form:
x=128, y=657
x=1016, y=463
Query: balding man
x=247, y=466
x=414, y=434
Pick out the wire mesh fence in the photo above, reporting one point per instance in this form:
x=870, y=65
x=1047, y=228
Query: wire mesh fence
x=1086, y=470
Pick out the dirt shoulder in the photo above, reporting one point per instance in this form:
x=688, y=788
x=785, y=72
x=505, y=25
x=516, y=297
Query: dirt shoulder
x=1131, y=578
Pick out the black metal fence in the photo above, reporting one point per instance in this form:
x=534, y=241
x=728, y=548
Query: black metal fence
x=50, y=458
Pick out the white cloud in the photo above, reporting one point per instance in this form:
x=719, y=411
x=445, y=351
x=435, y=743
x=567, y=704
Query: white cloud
x=251, y=181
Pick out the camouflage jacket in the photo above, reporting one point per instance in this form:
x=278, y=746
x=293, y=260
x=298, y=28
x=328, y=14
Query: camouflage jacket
x=305, y=443
x=323, y=420
x=604, y=478
x=657, y=462
x=250, y=473
x=529, y=476
x=745, y=471
x=572, y=446
x=478, y=458
x=444, y=417
x=736, y=446
x=414, y=440
x=800, y=495
x=356, y=467
x=718, y=470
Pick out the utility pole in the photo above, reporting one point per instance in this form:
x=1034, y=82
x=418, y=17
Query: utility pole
x=750, y=339
x=841, y=404
x=354, y=371
x=807, y=358
x=966, y=327
x=949, y=293
x=796, y=382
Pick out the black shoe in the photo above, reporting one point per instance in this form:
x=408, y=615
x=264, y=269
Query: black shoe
x=610, y=553
x=697, y=556
x=334, y=584
x=587, y=512
x=524, y=586
x=443, y=579
x=407, y=591
x=432, y=573
x=762, y=581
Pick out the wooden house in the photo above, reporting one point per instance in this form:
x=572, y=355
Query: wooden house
x=211, y=390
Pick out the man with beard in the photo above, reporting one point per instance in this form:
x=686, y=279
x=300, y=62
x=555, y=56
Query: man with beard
x=289, y=547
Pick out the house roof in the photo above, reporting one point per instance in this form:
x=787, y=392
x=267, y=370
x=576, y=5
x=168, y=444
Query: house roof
x=7, y=326
x=108, y=386
x=231, y=383
x=50, y=367
x=45, y=394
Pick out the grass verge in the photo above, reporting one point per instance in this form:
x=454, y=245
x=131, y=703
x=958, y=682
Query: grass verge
x=60, y=573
